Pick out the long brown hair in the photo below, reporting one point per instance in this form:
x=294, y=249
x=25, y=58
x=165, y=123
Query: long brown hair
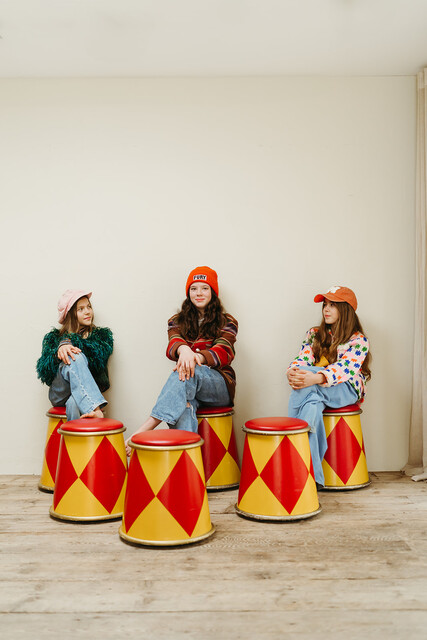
x=326, y=343
x=212, y=323
x=71, y=324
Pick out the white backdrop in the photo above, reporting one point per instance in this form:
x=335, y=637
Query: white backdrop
x=286, y=186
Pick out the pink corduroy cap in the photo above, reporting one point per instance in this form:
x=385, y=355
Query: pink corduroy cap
x=67, y=300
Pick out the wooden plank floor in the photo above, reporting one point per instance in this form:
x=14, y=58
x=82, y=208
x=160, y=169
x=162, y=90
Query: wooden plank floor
x=357, y=570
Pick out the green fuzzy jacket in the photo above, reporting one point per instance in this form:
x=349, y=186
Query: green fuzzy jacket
x=97, y=347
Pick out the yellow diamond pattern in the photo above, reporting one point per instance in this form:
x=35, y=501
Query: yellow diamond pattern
x=157, y=466
x=259, y=500
x=79, y=502
x=157, y=524
x=262, y=448
x=81, y=449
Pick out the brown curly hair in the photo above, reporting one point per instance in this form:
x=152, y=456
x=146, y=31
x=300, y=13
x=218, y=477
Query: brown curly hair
x=212, y=323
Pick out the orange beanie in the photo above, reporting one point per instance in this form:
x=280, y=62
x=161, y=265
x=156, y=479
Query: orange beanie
x=203, y=274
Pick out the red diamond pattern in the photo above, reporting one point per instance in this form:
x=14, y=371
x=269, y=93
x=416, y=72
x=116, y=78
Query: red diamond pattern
x=249, y=471
x=183, y=480
x=311, y=467
x=213, y=450
x=105, y=474
x=138, y=492
x=52, y=450
x=285, y=474
x=232, y=448
x=66, y=478
x=343, y=450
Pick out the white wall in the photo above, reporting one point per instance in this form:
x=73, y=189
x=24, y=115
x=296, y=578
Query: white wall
x=285, y=186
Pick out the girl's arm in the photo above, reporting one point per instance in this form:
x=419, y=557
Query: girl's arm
x=98, y=347
x=305, y=357
x=222, y=351
x=47, y=364
x=349, y=361
x=175, y=340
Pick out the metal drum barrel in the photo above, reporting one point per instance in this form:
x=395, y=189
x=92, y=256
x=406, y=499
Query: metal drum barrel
x=166, y=501
x=277, y=480
x=56, y=417
x=219, y=451
x=344, y=464
x=92, y=470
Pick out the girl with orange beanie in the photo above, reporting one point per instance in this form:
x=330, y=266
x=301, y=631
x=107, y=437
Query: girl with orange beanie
x=201, y=343
x=331, y=368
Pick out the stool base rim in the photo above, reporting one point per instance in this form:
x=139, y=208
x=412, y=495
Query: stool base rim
x=164, y=543
x=254, y=516
x=45, y=488
x=223, y=487
x=60, y=516
x=350, y=488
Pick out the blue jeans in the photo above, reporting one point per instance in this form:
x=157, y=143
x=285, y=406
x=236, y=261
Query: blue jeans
x=207, y=387
x=75, y=387
x=308, y=404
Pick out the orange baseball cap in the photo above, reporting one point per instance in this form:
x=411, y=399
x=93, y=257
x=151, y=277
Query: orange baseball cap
x=338, y=294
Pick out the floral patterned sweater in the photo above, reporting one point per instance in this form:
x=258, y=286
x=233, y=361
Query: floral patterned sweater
x=347, y=368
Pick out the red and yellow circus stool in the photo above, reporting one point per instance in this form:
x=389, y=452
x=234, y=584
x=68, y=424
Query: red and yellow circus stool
x=92, y=470
x=166, y=501
x=219, y=451
x=344, y=464
x=277, y=480
x=56, y=417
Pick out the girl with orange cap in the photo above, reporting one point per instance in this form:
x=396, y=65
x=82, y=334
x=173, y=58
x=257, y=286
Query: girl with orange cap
x=74, y=358
x=331, y=368
x=201, y=343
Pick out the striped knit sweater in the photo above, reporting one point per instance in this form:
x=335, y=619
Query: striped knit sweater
x=219, y=353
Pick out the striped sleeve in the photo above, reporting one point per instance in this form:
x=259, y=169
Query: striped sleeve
x=222, y=353
x=175, y=339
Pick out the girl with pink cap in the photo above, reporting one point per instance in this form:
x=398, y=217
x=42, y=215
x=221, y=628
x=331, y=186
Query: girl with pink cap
x=331, y=368
x=74, y=358
x=201, y=343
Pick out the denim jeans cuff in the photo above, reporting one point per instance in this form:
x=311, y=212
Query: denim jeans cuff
x=163, y=419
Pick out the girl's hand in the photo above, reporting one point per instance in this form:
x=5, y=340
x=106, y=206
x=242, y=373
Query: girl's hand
x=300, y=379
x=66, y=351
x=200, y=359
x=186, y=364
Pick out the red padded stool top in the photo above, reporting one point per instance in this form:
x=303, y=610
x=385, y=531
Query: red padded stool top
x=165, y=438
x=276, y=424
x=350, y=408
x=91, y=425
x=213, y=410
x=56, y=411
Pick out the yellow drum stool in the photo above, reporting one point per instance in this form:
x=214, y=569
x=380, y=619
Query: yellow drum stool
x=92, y=470
x=166, y=501
x=277, y=480
x=219, y=451
x=56, y=417
x=344, y=464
